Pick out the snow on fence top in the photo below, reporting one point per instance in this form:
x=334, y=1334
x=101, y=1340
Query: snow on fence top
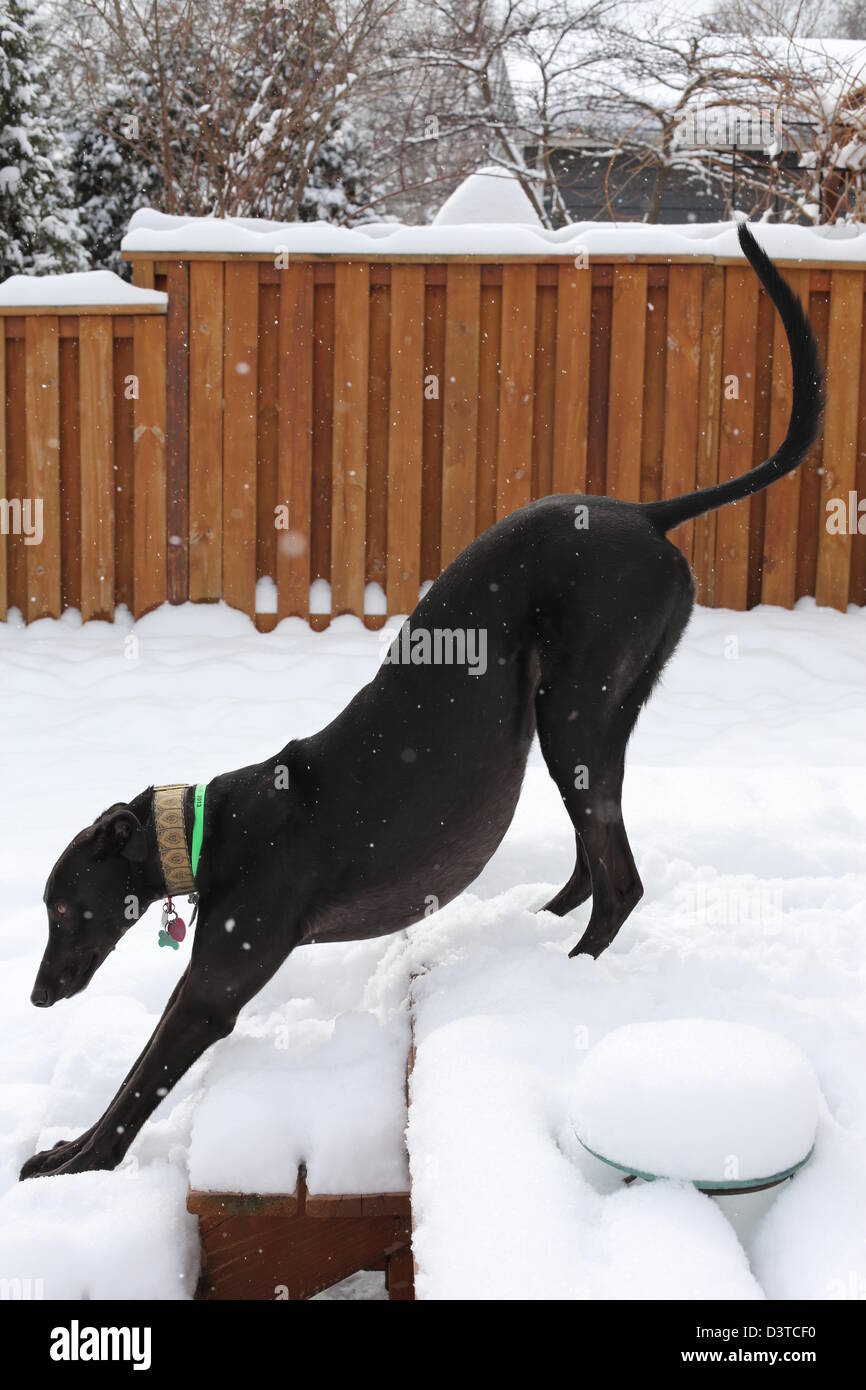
x=157, y=234
x=86, y=289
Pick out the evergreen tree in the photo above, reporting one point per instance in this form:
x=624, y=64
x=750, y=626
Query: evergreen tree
x=39, y=227
x=298, y=154
x=115, y=174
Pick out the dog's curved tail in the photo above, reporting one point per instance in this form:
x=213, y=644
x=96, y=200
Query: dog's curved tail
x=806, y=409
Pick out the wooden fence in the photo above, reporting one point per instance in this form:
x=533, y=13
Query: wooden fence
x=82, y=429
x=360, y=421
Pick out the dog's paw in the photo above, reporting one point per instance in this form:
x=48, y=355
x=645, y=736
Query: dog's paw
x=66, y=1152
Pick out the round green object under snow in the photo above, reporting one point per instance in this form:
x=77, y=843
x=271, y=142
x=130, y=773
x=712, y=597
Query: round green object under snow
x=725, y=1106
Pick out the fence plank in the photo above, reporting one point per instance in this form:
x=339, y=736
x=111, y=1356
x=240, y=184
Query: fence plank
x=488, y=406
x=349, y=465
x=810, y=470
x=858, y=542
x=760, y=442
x=682, y=391
x=267, y=443
x=654, y=378
x=143, y=274
x=4, y=589
x=516, y=413
x=295, y=439
x=833, y=579
x=599, y=382
x=96, y=386
x=378, y=429
x=571, y=394
x=709, y=426
x=70, y=469
x=124, y=473
x=460, y=411
x=778, y=583
x=149, y=459
x=177, y=431
x=323, y=428
x=434, y=400
x=737, y=433
x=206, y=330
x=16, y=465
x=42, y=395
x=625, y=399
x=240, y=372
x=406, y=438
x=544, y=390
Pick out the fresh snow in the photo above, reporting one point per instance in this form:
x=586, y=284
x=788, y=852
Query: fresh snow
x=744, y=803
x=697, y=1099
x=77, y=288
x=491, y=195
x=159, y=234
x=330, y=1094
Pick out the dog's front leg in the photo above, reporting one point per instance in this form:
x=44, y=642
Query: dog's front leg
x=225, y=972
x=187, y=1028
x=51, y=1160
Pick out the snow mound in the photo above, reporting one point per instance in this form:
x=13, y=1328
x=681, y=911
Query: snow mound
x=100, y=1235
x=69, y=291
x=336, y=1104
x=698, y=1099
x=491, y=195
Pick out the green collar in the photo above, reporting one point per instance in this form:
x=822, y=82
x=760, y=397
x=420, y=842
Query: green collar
x=197, y=825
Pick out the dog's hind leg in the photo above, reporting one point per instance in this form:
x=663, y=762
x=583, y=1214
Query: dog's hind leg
x=579, y=886
x=586, y=761
x=586, y=708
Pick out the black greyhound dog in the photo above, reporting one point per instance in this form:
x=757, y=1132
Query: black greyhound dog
x=403, y=798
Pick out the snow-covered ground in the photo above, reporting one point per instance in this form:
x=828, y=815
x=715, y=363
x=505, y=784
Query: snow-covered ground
x=745, y=807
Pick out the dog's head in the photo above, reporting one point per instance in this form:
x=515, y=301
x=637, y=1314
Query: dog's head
x=95, y=891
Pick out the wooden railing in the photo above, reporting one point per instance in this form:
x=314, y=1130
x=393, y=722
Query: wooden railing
x=360, y=420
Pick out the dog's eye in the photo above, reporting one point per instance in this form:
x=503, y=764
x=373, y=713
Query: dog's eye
x=61, y=909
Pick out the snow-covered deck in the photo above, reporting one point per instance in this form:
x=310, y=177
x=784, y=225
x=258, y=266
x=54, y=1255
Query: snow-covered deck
x=744, y=802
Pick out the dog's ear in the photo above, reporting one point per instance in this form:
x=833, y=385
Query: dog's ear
x=119, y=831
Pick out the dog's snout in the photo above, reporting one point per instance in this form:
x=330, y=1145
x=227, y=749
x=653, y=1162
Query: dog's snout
x=39, y=997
